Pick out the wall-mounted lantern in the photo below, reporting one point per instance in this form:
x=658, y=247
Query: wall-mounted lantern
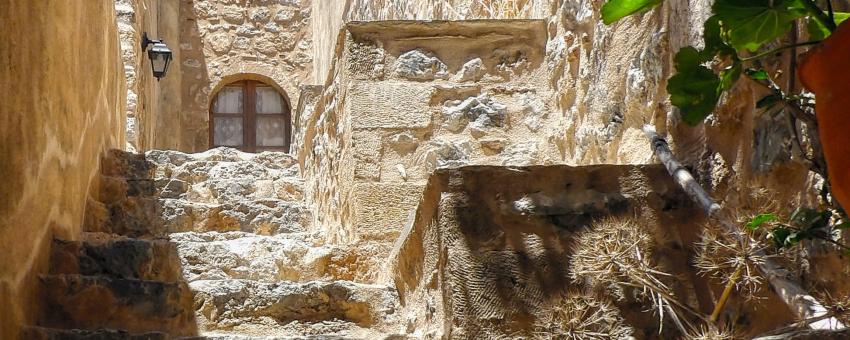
x=159, y=54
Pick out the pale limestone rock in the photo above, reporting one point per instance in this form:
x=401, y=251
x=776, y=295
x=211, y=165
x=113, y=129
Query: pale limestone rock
x=493, y=145
x=473, y=70
x=260, y=14
x=420, y=64
x=520, y=154
x=534, y=111
x=284, y=15
x=482, y=111
x=240, y=255
x=266, y=217
x=404, y=142
x=442, y=153
x=233, y=14
x=223, y=304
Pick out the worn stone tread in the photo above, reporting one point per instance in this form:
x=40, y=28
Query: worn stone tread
x=224, y=304
x=240, y=255
x=116, y=257
x=266, y=216
x=42, y=333
x=100, y=302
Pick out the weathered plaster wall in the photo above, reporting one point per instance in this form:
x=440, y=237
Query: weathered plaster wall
x=325, y=27
x=61, y=105
x=216, y=42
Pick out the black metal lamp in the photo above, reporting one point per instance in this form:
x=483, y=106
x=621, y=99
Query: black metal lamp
x=159, y=54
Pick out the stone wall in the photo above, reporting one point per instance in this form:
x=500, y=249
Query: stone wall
x=61, y=105
x=330, y=17
x=135, y=18
x=410, y=97
x=218, y=42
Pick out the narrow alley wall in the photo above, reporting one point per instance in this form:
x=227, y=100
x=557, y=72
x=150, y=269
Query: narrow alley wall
x=61, y=105
x=135, y=19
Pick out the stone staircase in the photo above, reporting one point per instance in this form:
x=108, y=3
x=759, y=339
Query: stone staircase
x=216, y=245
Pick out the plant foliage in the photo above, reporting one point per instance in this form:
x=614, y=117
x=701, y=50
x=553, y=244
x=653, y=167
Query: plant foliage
x=804, y=224
x=736, y=29
x=617, y=9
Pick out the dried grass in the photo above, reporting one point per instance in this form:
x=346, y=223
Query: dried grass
x=615, y=257
x=719, y=254
x=837, y=306
x=711, y=333
x=583, y=315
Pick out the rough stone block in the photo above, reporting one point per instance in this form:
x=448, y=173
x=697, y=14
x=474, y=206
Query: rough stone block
x=367, y=154
x=398, y=105
x=382, y=208
x=116, y=258
x=225, y=303
x=90, y=302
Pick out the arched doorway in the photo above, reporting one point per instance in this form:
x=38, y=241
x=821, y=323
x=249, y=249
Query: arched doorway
x=251, y=116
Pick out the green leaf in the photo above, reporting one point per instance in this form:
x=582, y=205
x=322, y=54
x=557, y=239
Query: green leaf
x=806, y=218
x=751, y=23
x=714, y=42
x=730, y=75
x=780, y=236
x=694, y=88
x=614, y=10
x=760, y=219
x=757, y=74
x=820, y=32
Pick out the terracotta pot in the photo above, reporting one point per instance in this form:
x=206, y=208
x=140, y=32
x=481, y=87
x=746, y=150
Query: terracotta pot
x=825, y=70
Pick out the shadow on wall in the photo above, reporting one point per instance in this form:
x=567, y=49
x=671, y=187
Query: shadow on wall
x=122, y=274
x=181, y=120
x=496, y=246
x=193, y=86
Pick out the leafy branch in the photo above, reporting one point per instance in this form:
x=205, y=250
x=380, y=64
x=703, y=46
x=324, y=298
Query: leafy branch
x=804, y=224
x=733, y=36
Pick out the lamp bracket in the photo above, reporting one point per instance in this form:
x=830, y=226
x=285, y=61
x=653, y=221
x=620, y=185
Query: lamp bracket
x=147, y=41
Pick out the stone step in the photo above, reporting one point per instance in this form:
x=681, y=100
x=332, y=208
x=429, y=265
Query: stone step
x=143, y=217
x=231, y=190
x=222, y=163
x=118, y=163
x=269, y=159
x=131, y=216
x=325, y=330
x=240, y=255
x=116, y=257
x=263, y=217
x=41, y=333
x=99, y=302
x=255, y=308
